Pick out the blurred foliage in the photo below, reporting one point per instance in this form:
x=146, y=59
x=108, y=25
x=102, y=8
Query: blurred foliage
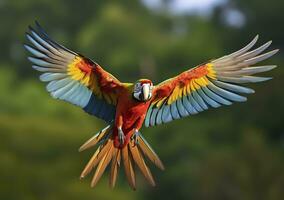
x=231, y=153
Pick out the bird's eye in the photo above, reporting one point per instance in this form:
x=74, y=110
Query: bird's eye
x=137, y=87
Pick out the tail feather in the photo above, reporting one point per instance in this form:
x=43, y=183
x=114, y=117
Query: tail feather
x=102, y=166
x=139, y=160
x=96, y=138
x=107, y=153
x=99, y=154
x=128, y=167
x=90, y=164
x=114, y=168
x=149, y=152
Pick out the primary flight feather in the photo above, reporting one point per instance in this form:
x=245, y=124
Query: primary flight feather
x=127, y=106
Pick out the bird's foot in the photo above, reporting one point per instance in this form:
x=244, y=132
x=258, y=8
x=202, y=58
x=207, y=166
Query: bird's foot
x=135, y=136
x=121, y=136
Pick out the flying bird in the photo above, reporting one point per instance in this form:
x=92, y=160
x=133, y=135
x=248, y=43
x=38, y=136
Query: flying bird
x=126, y=107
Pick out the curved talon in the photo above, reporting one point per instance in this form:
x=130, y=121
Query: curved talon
x=121, y=136
x=135, y=137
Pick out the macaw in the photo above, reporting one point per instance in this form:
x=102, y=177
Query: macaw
x=77, y=79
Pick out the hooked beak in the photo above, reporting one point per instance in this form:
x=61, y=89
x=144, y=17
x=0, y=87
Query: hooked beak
x=145, y=92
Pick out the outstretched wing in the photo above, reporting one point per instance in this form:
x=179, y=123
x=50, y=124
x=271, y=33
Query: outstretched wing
x=72, y=77
x=210, y=85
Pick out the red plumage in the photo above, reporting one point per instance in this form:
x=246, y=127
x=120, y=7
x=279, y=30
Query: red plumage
x=130, y=114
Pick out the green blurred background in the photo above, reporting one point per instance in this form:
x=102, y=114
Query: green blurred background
x=233, y=152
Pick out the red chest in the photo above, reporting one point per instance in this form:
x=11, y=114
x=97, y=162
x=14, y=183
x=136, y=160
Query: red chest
x=131, y=110
x=130, y=115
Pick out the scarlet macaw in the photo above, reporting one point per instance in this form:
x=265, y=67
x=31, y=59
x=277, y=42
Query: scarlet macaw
x=126, y=106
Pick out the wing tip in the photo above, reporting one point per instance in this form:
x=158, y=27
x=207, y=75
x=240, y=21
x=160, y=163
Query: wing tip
x=30, y=58
x=254, y=40
x=261, y=79
x=276, y=50
x=37, y=23
x=271, y=67
x=26, y=46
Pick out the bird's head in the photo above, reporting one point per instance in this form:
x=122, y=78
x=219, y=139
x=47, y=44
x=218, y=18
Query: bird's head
x=143, y=90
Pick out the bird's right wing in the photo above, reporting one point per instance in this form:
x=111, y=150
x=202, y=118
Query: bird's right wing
x=72, y=77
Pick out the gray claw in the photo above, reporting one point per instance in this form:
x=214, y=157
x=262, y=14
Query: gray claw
x=121, y=136
x=135, y=137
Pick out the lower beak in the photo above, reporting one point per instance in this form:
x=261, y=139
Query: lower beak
x=146, y=92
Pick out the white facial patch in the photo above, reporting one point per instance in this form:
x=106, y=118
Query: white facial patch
x=142, y=92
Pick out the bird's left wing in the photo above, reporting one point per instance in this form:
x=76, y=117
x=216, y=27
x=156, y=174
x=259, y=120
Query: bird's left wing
x=212, y=84
x=72, y=77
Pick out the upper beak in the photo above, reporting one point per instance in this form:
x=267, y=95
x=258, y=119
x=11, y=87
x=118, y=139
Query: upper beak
x=145, y=91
